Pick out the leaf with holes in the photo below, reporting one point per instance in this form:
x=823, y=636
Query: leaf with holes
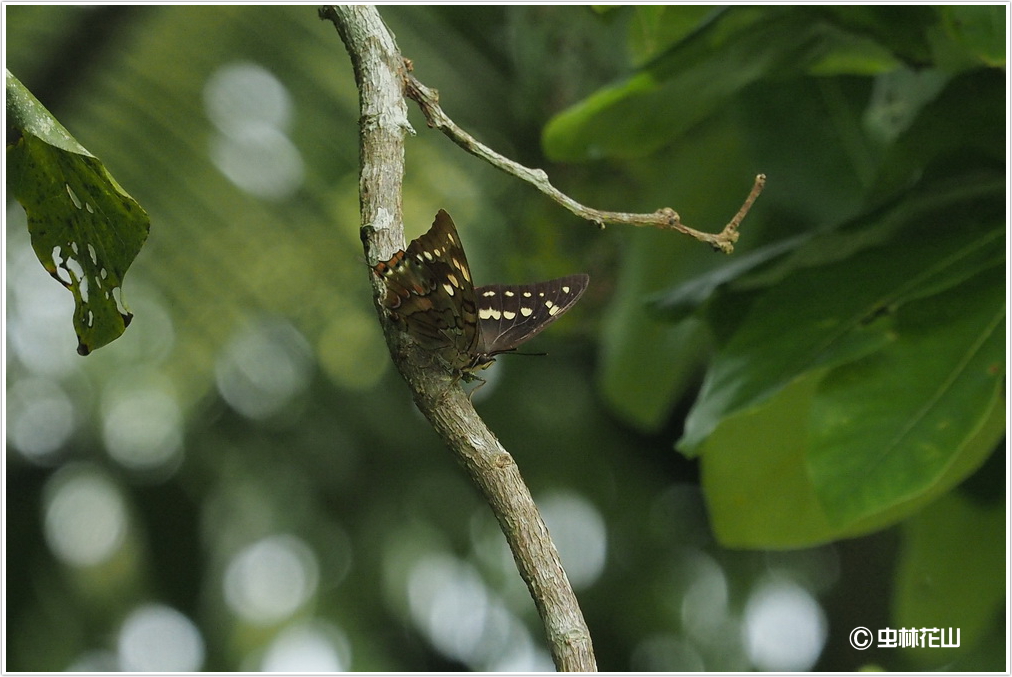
x=85, y=229
x=431, y=295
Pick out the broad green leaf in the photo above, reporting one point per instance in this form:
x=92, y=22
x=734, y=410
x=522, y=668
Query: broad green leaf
x=760, y=494
x=951, y=573
x=658, y=104
x=980, y=29
x=798, y=147
x=647, y=361
x=656, y=28
x=832, y=314
x=686, y=298
x=694, y=79
x=642, y=386
x=885, y=428
x=898, y=97
x=855, y=55
x=85, y=229
x=904, y=30
x=960, y=130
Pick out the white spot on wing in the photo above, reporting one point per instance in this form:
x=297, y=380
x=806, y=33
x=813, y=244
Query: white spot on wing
x=489, y=314
x=449, y=289
x=463, y=269
x=508, y=314
x=526, y=312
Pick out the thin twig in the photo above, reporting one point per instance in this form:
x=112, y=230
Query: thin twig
x=665, y=218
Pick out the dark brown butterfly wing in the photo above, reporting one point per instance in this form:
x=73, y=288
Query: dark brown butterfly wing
x=430, y=293
x=509, y=315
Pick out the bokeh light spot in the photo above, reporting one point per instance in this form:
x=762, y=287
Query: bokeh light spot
x=579, y=533
x=265, y=365
x=242, y=93
x=784, y=627
x=85, y=518
x=37, y=326
x=252, y=111
x=269, y=580
x=308, y=647
x=260, y=160
x=449, y=602
x=40, y=418
x=157, y=638
x=142, y=426
x=704, y=605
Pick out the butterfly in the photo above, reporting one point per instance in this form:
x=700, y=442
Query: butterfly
x=430, y=295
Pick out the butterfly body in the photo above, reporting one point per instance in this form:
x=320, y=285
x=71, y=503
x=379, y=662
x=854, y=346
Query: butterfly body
x=430, y=294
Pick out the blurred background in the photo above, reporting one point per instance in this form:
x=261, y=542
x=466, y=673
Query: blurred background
x=241, y=482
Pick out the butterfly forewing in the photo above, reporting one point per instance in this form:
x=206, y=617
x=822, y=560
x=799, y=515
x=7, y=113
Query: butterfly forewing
x=429, y=292
x=509, y=315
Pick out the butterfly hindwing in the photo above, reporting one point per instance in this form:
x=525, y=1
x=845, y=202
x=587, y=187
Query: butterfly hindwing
x=429, y=292
x=509, y=315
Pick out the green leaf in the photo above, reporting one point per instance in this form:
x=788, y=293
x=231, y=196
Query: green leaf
x=833, y=314
x=885, y=428
x=637, y=346
x=681, y=301
x=759, y=492
x=903, y=30
x=648, y=361
x=961, y=129
x=700, y=74
x=951, y=573
x=980, y=29
x=85, y=229
x=671, y=363
x=656, y=28
x=855, y=55
x=658, y=104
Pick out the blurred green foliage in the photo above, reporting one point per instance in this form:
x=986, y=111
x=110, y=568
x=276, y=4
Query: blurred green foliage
x=241, y=476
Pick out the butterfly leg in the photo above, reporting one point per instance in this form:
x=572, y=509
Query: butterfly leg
x=471, y=392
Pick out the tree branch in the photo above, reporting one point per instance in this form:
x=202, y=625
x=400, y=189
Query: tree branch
x=666, y=217
x=379, y=73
